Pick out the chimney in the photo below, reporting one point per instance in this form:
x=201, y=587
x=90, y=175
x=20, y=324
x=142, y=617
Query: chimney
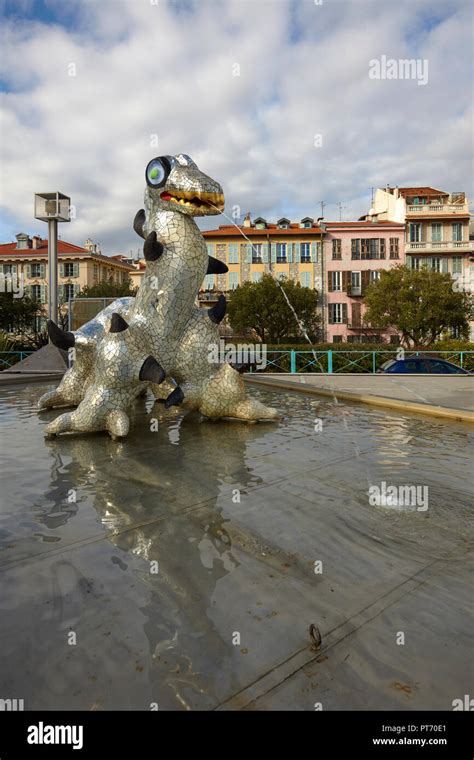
x=247, y=221
x=395, y=192
x=36, y=242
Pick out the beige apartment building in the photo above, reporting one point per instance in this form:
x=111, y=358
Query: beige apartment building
x=26, y=261
x=286, y=249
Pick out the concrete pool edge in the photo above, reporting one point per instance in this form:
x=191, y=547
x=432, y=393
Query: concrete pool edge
x=460, y=415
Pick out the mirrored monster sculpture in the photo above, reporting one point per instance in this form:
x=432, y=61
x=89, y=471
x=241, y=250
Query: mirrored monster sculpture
x=160, y=339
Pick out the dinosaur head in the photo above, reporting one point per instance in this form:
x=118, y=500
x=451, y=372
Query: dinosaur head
x=175, y=183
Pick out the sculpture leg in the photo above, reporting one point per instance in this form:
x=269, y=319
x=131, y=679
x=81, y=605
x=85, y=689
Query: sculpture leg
x=117, y=424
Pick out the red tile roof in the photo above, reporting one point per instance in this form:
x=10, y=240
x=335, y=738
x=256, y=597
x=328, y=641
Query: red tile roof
x=418, y=191
x=63, y=247
x=271, y=229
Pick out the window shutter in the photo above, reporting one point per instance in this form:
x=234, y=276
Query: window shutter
x=297, y=252
x=314, y=253
x=76, y=270
x=273, y=252
x=344, y=313
x=27, y=290
x=444, y=264
x=42, y=271
x=265, y=253
x=77, y=289
x=61, y=270
x=61, y=290
x=364, y=279
x=382, y=248
x=330, y=282
x=210, y=249
x=289, y=251
x=42, y=294
x=1, y=268
x=344, y=281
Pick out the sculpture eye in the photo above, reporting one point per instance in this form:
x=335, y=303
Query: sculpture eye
x=157, y=172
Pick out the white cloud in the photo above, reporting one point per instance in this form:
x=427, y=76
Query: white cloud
x=168, y=69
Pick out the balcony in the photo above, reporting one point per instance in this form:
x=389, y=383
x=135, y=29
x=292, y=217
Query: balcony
x=429, y=245
x=438, y=209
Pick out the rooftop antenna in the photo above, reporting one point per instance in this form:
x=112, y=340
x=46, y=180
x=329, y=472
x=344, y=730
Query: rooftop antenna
x=322, y=204
x=340, y=207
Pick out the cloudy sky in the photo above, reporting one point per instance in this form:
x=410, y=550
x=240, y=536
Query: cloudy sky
x=273, y=98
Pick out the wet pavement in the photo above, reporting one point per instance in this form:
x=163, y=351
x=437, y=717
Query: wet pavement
x=176, y=569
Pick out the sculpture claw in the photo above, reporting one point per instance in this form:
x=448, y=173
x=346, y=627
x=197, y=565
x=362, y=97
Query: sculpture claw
x=59, y=337
x=153, y=249
x=175, y=398
x=217, y=313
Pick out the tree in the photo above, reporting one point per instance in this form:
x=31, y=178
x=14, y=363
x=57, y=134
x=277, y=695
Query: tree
x=18, y=318
x=262, y=307
x=108, y=290
x=420, y=304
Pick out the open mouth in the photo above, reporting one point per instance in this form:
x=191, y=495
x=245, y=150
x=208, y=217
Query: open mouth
x=192, y=200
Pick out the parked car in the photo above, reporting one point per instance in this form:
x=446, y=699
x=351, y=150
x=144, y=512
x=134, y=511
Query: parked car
x=416, y=365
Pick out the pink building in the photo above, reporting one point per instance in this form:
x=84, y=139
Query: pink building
x=354, y=255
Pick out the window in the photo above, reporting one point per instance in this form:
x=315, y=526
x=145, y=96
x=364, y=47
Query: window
x=337, y=339
x=394, y=252
x=336, y=280
x=336, y=248
x=233, y=253
x=394, y=340
x=36, y=292
x=233, y=280
x=436, y=233
x=305, y=279
x=415, y=233
x=281, y=253
x=305, y=252
x=68, y=292
x=416, y=262
x=96, y=271
x=373, y=248
x=355, y=283
x=355, y=248
x=210, y=249
x=438, y=264
x=36, y=270
x=337, y=313
x=68, y=270
x=209, y=281
x=7, y=268
x=457, y=231
x=374, y=276
x=257, y=253
x=256, y=276
x=457, y=264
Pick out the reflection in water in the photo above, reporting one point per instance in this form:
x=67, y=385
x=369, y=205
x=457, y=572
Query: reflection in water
x=100, y=513
x=152, y=485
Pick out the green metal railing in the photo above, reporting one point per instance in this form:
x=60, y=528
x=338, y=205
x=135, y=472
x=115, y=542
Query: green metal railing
x=325, y=362
x=9, y=358
x=355, y=362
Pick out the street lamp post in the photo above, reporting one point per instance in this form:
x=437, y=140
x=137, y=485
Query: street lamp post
x=52, y=208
